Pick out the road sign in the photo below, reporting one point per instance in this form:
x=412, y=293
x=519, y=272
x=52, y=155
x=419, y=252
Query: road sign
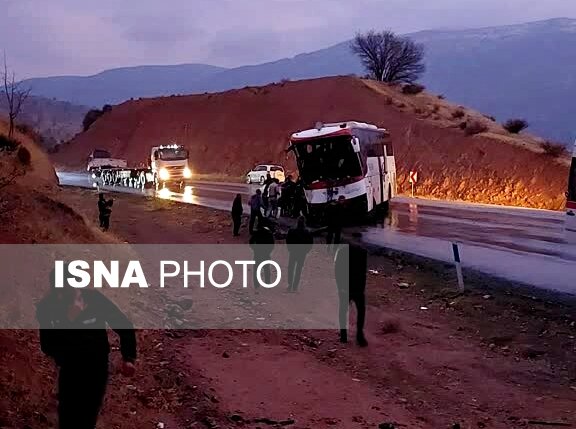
x=413, y=178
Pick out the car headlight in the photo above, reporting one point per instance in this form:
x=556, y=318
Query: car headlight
x=164, y=174
x=187, y=173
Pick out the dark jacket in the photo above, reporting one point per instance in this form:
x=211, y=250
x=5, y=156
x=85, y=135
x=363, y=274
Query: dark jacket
x=86, y=338
x=237, y=208
x=299, y=240
x=350, y=266
x=262, y=243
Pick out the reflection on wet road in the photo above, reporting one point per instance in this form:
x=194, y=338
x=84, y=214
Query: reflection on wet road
x=520, y=244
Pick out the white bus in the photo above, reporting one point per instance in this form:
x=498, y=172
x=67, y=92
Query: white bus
x=350, y=159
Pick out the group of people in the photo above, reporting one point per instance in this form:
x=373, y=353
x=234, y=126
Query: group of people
x=64, y=314
x=350, y=261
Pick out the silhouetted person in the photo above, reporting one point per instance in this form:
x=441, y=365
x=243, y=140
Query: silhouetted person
x=299, y=242
x=350, y=268
x=256, y=205
x=265, y=202
x=288, y=193
x=73, y=332
x=273, y=195
x=335, y=221
x=104, y=211
x=237, y=211
x=262, y=244
x=300, y=202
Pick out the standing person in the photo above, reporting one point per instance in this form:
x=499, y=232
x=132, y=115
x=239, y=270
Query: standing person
x=256, y=206
x=335, y=221
x=265, y=202
x=262, y=244
x=288, y=192
x=299, y=241
x=73, y=332
x=273, y=194
x=104, y=211
x=350, y=268
x=237, y=211
x=300, y=203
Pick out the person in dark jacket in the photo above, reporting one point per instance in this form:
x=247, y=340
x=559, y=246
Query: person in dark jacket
x=237, y=211
x=265, y=199
x=104, y=211
x=262, y=244
x=335, y=220
x=350, y=263
x=256, y=206
x=287, y=199
x=300, y=202
x=299, y=241
x=73, y=333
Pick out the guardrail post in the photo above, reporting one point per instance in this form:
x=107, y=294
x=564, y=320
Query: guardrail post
x=456, y=252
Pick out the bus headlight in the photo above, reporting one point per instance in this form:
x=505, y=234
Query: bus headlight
x=164, y=174
x=187, y=173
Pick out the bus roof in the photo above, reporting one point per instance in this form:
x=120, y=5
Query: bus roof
x=333, y=129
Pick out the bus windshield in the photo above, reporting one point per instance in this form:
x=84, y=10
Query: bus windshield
x=172, y=154
x=327, y=159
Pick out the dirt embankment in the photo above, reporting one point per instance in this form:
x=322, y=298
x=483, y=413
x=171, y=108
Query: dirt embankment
x=31, y=211
x=227, y=133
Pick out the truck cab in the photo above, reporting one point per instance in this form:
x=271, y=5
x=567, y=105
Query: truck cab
x=169, y=164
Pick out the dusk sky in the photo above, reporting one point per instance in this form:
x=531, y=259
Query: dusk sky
x=57, y=37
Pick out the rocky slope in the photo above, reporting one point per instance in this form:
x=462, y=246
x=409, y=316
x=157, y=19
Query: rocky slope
x=229, y=132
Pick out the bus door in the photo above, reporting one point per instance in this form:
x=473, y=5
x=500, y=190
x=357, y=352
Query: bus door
x=570, y=224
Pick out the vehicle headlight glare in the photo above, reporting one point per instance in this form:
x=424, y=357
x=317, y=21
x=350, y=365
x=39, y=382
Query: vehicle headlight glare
x=187, y=173
x=164, y=174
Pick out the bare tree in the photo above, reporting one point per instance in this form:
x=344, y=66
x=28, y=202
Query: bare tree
x=388, y=57
x=15, y=95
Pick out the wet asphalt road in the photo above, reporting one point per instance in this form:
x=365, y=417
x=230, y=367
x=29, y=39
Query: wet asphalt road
x=523, y=245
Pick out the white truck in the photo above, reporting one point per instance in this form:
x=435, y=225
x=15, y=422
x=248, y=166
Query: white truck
x=167, y=165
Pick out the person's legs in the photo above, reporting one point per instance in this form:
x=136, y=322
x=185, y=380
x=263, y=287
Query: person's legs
x=253, y=215
x=343, y=306
x=106, y=222
x=360, y=302
x=291, y=264
x=81, y=391
x=337, y=235
x=237, y=220
x=299, y=265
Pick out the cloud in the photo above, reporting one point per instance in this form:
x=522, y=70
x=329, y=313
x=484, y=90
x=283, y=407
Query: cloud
x=45, y=37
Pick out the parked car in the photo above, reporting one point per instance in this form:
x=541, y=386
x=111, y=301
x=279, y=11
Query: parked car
x=258, y=174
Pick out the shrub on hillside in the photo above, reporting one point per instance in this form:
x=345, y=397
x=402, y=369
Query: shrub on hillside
x=475, y=127
x=24, y=156
x=458, y=114
x=441, y=96
x=413, y=89
x=514, y=126
x=7, y=144
x=555, y=150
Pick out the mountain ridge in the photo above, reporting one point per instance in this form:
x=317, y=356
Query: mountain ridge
x=521, y=70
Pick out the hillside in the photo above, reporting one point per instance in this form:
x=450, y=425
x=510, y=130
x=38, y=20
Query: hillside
x=30, y=207
x=56, y=121
x=229, y=132
x=511, y=71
